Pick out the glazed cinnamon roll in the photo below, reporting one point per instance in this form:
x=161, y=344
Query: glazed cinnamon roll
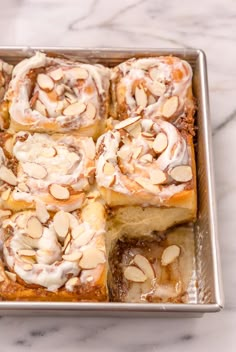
x=5, y=77
x=56, y=95
x=146, y=163
x=54, y=257
x=158, y=87
x=155, y=268
x=57, y=170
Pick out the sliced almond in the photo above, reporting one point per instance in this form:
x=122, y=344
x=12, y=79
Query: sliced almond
x=157, y=176
x=137, y=152
x=45, y=82
x=7, y=176
x=59, y=192
x=151, y=100
x=27, y=267
x=23, y=187
x=74, y=109
x=4, y=213
x=34, y=170
x=170, y=106
x=10, y=275
x=147, y=185
x=7, y=68
x=144, y=264
x=70, y=97
x=147, y=135
x=134, y=274
x=160, y=143
x=140, y=97
x=146, y=158
x=40, y=107
x=78, y=73
x=128, y=122
x=57, y=74
x=84, y=238
x=157, y=88
x=123, y=153
x=170, y=254
x=182, y=173
x=26, y=252
x=72, y=282
x=112, y=181
x=20, y=220
x=135, y=131
x=41, y=212
x=72, y=257
x=48, y=152
x=155, y=73
x=67, y=244
x=61, y=223
x=6, y=194
x=90, y=148
x=9, y=145
x=90, y=111
x=34, y=227
x=108, y=169
x=91, y=258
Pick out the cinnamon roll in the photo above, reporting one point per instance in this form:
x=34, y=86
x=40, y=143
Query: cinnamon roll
x=57, y=170
x=154, y=87
x=52, y=95
x=54, y=257
x=148, y=164
x=155, y=268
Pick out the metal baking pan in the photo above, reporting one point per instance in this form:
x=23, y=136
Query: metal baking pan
x=206, y=293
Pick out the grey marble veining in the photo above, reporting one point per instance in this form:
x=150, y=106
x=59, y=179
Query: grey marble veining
x=209, y=25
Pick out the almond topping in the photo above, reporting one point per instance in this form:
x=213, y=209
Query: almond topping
x=182, y=173
x=108, y=169
x=70, y=97
x=157, y=176
x=26, y=252
x=170, y=106
x=144, y=264
x=27, y=267
x=147, y=135
x=49, y=152
x=91, y=258
x=137, y=152
x=135, y=131
x=84, y=238
x=45, y=82
x=7, y=176
x=90, y=111
x=41, y=212
x=56, y=75
x=170, y=254
x=147, y=185
x=151, y=100
x=74, y=109
x=59, y=192
x=146, y=158
x=9, y=145
x=74, y=281
x=23, y=187
x=28, y=260
x=140, y=97
x=123, y=153
x=34, y=227
x=67, y=244
x=112, y=181
x=73, y=257
x=34, y=170
x=160, y=143
x=40, y=107
x=20, y=221
x=132, y=273
x=127, y=122
x=4, y=213
x=6, y=194
x=78, y=73
x=157, y=88
x=10, y=275
x=61, y=223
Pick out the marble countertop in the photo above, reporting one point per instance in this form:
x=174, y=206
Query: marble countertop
x=141, y=23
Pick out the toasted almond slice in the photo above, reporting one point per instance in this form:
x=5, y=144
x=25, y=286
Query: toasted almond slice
x=91, y=258
x=57, y=74
x=151, y=100
x=170, y=106
x=34, y=170
x=155, y=73
x=170, y=254
x=28, y=260
x=146, y=158
x=108, y=169
x=134, y=274
x=71, y=283
x=41, y=212
x=26, y=252
x=48, y=152
x=144, y=264
x=137, y=152
x=157, y=176
x=112, y=181
x=59, y=192
x=90, y=148
x=147, y=135
x=6, y=194
x=84, y=238
x=90, y=111
x=140, y=97
x=135, y=130
x=70, y=97
x=27, y=267
x=23, y=187
x=20, y=220
x=34, y=227
x=74, y=109
x=61, y=223
x=10, y=275
x=9, y=145
x=67, y=244
x=72, y=257
x=4, y=213
x=45, y=82
x=157, y=88
x=40, y=107
x=7, y=176
x=60, y=89
x=182, y=173
x=123, y=153
x=78, y=73
x=160, y=143
x=147, y=185
x=128, y=122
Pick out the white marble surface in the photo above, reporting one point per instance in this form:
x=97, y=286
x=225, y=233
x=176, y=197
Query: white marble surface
x=210, y=25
